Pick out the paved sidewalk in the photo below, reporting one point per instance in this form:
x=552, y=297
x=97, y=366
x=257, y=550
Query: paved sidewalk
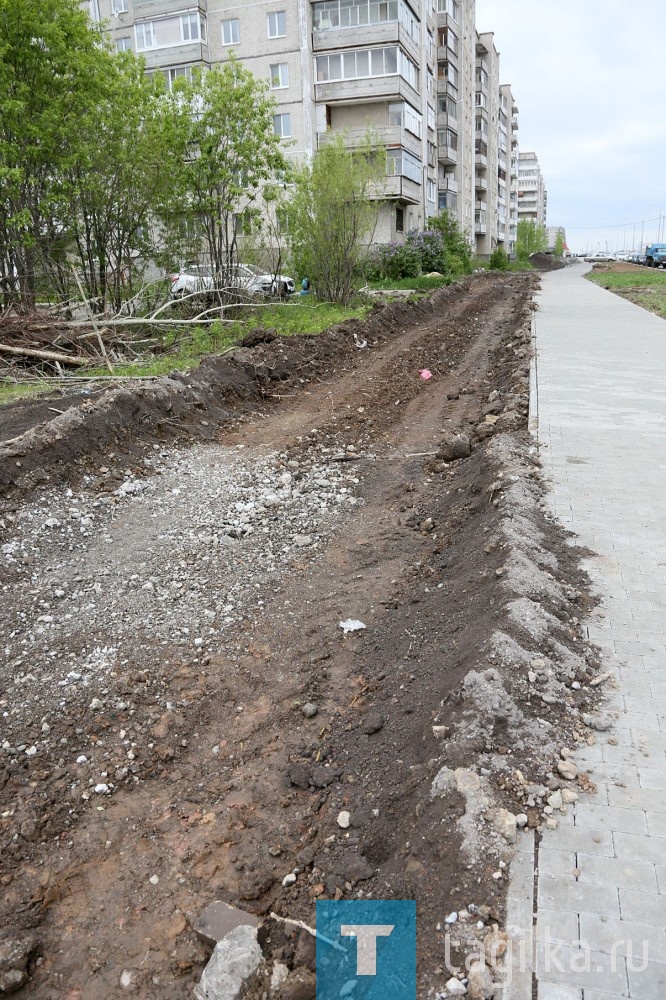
x=600, y=887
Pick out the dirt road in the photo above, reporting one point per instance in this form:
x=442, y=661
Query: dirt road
x=183, y=716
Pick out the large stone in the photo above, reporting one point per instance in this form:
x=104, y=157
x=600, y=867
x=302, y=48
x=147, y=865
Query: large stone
x=479, y=982
x=14, y=955
x=567, y=769
x=505, y=824
x=235, y=960
x=453, y=446
x=218, y=919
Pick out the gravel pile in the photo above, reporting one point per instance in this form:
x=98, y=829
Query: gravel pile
x=104, y=586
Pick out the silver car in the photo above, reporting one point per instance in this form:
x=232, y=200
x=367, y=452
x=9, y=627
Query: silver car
x=199, y=278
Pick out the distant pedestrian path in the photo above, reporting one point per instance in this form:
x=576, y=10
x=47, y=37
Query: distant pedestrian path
x=599, y=403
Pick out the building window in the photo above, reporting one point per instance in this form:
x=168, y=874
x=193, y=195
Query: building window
x=176, y=73
x=277, y=24
x=401, y=163
x=124, y=44
x=403, y=114
x=231, y=31
x=93, y=10
x=448, y=200
x=399, y=220
x=358, y=65
x=282, y=125
x=279, y=76
x=144, y=33
x=432, y=191
x=449, y=7
x=120, y=6
x=192, y=27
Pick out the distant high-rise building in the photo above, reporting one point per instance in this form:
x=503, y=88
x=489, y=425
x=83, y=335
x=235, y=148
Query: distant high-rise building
x=532, y=195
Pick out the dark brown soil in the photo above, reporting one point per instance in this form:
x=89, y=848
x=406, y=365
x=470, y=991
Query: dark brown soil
x=414, y=564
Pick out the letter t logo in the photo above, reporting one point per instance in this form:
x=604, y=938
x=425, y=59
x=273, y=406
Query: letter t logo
x=366, y=948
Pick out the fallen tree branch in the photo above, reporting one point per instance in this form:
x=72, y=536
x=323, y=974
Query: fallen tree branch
x=29, y=352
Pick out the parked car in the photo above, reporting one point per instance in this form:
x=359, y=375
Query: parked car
x=247, y=278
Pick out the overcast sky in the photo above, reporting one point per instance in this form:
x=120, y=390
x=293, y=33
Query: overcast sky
x=589, y=78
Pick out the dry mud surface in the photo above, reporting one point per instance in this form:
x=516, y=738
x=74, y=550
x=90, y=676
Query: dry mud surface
x=182, y=716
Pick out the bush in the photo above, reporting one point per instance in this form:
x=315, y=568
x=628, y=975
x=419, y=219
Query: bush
x=430, y=249
x=458, y=249
x=499, y=260
x=395, y=261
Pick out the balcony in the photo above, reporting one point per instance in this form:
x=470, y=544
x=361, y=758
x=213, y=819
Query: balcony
x=446, y=87
x=388, y=135
x=481, y=206
x=445, y=54
x=187, y=54
x=448, y=183
x=446, y=153
x=372, y=88
x=401, y=189
x=363, y=36
x=480, y=183
x=480, y=223
x=145, y=9
x=445, y=120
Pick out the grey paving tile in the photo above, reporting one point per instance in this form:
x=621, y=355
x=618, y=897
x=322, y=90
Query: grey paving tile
x=622, y=937
x=578, y=838
x=648, y=983
x=634, y=847
x=636, y=798
x=580, y=967
x=600, y=817
x=553, y=863
x=559, y=991
x=616, y=872
x=653, y=777
x=656, y=824
x=643, y=907
x=565, y=893
x=558, y=925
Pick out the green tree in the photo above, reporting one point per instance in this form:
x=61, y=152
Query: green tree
x=558, y=250
x=333, y=215
x=131, y=146
x=233, y=152
x=49, y=59
x=456, y=244
x=499, y=260
x=531, y=238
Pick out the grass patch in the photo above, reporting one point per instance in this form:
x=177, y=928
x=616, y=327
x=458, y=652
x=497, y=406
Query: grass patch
x=645, y=287
x=11, y=392
x=183, y=348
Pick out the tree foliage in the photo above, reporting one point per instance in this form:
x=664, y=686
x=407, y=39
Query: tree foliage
x=531, y=238
x=499, y=260
x=332, y=215
x=233, y=152
x=456, y=244
x=104, y=172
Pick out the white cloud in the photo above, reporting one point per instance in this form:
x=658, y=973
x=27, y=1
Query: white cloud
x=583, y=73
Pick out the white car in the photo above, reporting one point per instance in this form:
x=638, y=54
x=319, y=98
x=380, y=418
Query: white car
x=242, y=277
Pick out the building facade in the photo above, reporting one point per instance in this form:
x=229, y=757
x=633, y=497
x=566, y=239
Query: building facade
x=532, y=195
x=415, y=74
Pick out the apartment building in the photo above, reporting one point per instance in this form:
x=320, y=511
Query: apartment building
x=532, y=195
x=414, y=73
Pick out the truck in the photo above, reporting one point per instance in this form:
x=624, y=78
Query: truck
x=655, y=255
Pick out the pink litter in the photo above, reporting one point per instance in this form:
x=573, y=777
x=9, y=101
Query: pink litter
x=425, y=374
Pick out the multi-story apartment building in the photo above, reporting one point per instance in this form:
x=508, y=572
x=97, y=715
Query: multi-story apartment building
x=413, y=73
x=532, y=195
x=456, y=62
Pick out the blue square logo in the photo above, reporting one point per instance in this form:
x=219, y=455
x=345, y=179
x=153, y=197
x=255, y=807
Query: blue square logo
x=366, y=949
